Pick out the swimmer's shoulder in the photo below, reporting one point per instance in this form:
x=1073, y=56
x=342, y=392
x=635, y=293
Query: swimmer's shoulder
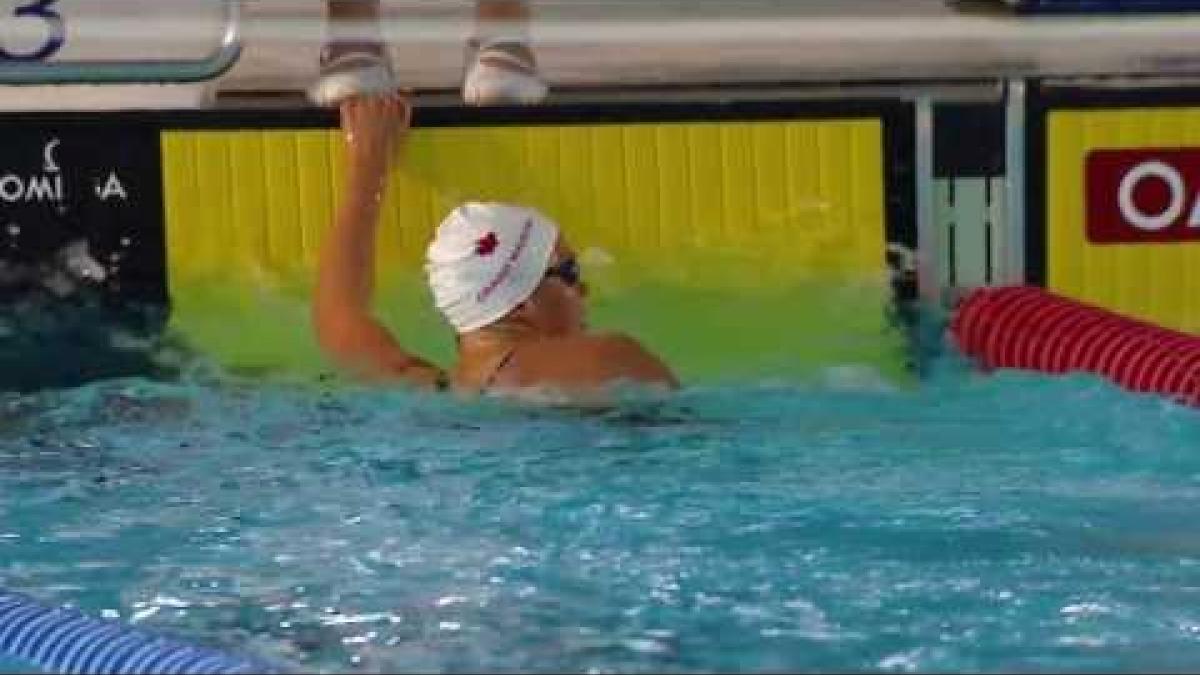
x=588, y=360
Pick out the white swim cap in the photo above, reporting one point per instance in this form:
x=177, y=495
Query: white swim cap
x=486, y=259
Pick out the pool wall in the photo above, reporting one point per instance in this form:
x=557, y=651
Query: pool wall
x=786, y=231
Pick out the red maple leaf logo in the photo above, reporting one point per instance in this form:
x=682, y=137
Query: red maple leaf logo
x=487, y=244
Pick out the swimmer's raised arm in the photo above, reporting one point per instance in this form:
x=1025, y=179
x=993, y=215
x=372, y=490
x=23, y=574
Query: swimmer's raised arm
x=346, y=328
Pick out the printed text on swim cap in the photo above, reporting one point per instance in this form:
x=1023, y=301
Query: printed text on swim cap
x=509, y=264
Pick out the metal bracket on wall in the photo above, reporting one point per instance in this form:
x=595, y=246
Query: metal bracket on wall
x=929, y=287
x=1012, y=267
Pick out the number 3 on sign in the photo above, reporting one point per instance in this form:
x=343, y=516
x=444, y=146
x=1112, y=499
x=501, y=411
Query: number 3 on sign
x=44, y=11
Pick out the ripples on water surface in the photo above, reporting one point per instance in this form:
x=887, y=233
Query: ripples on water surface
x=976, y=523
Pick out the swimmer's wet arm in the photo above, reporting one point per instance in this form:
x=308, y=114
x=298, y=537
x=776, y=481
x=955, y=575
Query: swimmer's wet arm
x=347, y=330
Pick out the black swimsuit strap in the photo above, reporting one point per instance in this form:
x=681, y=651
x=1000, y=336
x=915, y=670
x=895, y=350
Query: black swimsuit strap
x=504, y=361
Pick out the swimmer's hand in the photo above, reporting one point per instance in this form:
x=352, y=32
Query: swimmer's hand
x=373, y=125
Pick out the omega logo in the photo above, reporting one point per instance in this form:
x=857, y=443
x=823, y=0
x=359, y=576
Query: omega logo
x=1149, y=195
x=1177, y=197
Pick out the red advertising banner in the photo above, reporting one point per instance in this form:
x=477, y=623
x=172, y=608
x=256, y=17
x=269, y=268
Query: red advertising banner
x=1143, y=196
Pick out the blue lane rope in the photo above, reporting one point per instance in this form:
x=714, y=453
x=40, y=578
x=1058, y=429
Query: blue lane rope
x=66, y=641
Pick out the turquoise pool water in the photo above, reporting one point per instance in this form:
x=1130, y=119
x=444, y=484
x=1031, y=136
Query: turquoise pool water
x=981, y=523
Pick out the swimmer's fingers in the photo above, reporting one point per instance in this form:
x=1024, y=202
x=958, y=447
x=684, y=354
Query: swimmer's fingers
x=372, y=124
x=374, y=102
x=376, y=107
x=402, y=100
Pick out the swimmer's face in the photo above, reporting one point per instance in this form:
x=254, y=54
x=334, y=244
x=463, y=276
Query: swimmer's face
x=557, y=306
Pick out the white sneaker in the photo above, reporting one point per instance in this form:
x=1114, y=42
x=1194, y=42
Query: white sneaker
x=503, y=73
x=351, y=69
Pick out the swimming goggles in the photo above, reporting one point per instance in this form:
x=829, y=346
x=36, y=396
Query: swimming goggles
x=567, y=270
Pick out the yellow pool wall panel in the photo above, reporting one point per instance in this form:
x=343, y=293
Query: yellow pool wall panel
x=749, y=248
x=1157, y=282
